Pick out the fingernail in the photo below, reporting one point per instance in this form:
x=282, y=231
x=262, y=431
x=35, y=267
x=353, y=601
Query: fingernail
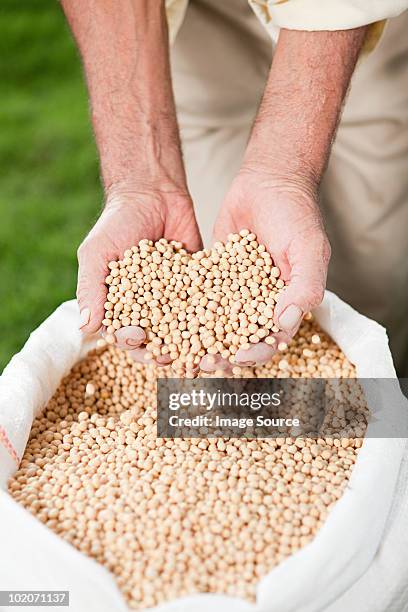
x=243, y=357
x=137, y=339
x=163, y=360
x=84, y=317
x=290, y=317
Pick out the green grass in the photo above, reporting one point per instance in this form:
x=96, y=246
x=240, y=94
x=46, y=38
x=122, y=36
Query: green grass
x=49, y=181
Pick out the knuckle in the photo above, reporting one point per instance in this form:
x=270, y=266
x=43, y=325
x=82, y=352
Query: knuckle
x=319, y=295
x=326, y=251
x=316, y=293
x=81, y=291
x=307, y=294
x=86, y=285
x=81, y=282
x=84, y=249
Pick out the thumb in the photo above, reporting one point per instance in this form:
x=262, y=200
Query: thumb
x=224, y=225
x=185, y=230
x=192, y=241
x=191, y=237
x=91, y=288
x=307, y=282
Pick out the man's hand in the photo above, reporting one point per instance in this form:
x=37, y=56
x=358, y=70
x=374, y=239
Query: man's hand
x=129, y=216
x=275, y=193
x=286, y=219
x=125, y=51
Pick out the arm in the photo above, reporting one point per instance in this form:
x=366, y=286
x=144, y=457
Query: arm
x=302, y=103
x=275, y=192
x=124, y=48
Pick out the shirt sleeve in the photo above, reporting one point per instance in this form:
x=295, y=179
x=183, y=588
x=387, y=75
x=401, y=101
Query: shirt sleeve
x=175, y=10
x=328, y=15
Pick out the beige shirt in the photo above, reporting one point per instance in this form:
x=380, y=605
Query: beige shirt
x=309, y=15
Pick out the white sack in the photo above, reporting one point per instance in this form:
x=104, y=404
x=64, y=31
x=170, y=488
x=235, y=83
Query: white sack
x=350, y=554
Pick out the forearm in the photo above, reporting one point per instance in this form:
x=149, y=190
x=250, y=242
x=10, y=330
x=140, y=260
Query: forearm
x=302, y=103
x=124, y=47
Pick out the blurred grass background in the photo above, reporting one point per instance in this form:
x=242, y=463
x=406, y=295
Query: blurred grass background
x=49, y=181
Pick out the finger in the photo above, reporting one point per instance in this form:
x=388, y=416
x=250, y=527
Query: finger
x=140, y=355
x=259, y=354
x=280, y=340
x=224, y=225
x=183, y=370
x=262, y=352
x=306, y=285
x=192, y=240
x=163, y=360
x=280, y=260
x=130, y=337
x=185, y=230
x=211, y=363
x=91, y=289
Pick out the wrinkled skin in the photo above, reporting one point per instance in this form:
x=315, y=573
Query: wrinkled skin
x=285, y=217
x=127, y=218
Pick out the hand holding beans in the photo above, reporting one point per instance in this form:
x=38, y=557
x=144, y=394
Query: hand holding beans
x=128, y=217
x=217, y=308
x=286, y=218
x=197, y=311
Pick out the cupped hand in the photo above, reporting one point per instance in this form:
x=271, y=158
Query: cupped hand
x=285, y=216
x=129, y=216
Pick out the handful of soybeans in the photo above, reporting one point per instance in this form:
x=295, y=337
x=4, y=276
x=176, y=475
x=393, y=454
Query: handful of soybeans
x=213, y=301
x=174, y=517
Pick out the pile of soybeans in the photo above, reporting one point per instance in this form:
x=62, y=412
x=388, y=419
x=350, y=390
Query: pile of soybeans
x=174, y=517
x=211, y=302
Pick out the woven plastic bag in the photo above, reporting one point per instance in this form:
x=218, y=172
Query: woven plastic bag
x=358, y=550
